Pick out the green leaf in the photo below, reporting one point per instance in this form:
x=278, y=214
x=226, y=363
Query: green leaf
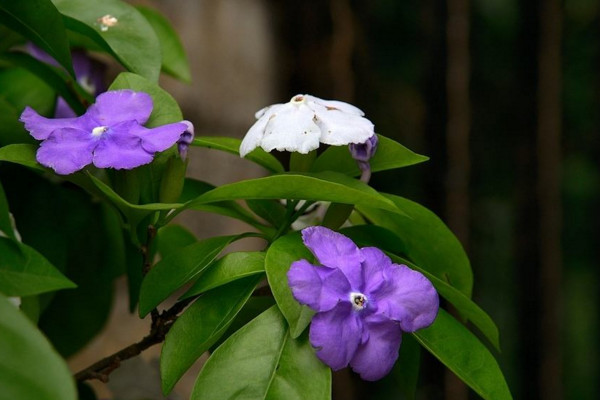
x=174, y=271
x=325, y=186
x=390, y=154
x=132, y=40
x=457, y=348
x=65, y=85
x=22, y=154
x=268, y=364
x=271, y=211
x=280, y=256
x=29, y=367
x=227, y=269
x=374, y=235
x=232, y=145
x=171, y=239
x=174, y=59
x=11, y=130
x=165, y=110
x=6, y=225
x=199, y=327
x=40, y=22
x=25, y=272
x=429, y=242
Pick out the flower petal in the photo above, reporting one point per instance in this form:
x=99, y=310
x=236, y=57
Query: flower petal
x=41, y=127
x=335, y=250
x=119, y=148
x=375, y=261
x=254, y=136
x=375, y=358
x=120, y=106
x=66, y=150
x=336, y=335
x=409, y=298
x=340, y=105
x=159, y=138
x=339, y=128
x=291, y=127
x=320, y=288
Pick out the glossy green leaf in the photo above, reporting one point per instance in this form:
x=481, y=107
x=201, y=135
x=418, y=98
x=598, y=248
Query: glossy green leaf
x=232, y=145
x=390, y=154
x=271, y=211
x=280, y=256
x=457, y=348
x=40, y=22
x=6, y=225
x=131, y=38
x=22, y=154
x=174, y=59
x=165, y=110
x=232, y=266
x=371, y=235
x=29, y=367
x=429, y=242
x=199, y=327
x=268, y=364
x=25, y=272
x=11, y=130
x=172, y=238
x=65, y=85
x=174, y=271
x=325, y=186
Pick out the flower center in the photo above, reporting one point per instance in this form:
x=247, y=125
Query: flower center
x=359, y=301
x=99, y=130
x=298, y=99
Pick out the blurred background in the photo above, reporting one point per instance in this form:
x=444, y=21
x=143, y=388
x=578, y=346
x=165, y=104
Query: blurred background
x=502, y=95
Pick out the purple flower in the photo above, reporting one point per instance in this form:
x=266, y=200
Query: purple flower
x=109, y=134
x=185, y=139
x=362, y=153
x=363, y=302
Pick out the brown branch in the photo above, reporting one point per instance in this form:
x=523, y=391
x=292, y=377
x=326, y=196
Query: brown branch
x=158, y=331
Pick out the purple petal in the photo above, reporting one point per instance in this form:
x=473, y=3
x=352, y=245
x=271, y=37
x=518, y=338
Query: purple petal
x=408, y=297
x=41, y=127
x=320, y=288
x=159, y=138
x=373, y=266
x=119, y=148
x=89, y=72
x=335, y=250
x=118, y=106
x=336, y=335
x=375, y=358
x=66, y=150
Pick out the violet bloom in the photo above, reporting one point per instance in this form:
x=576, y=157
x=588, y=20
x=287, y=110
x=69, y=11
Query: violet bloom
x=362, y=153
x=363, y=302
x=185, y=140
x=109, y=134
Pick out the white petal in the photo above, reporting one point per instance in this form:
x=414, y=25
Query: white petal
x=339, y=128
x=264, y=110
x=253, y=136
x=292, y=128
x=339, y=105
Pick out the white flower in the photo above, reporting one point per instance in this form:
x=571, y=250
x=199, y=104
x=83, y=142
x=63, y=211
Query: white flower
x=303, y=123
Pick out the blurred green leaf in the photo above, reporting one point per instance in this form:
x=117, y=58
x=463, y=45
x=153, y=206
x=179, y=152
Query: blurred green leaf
x=232, y=145
x=40, y=22
x=429, y=242
x=174, y=271
x=325, y=186
x=174, y=59
x=268, y=364
x=271, y=211
x=131, y=39
x=6, y=226
x=25, y=272
x=29, y=367
x=165, y=110
x=171, y=239
x=199, y=327
x=457, y=348
x=389, y=155
x=280, y=256
x=230, y=267
x=11, y=130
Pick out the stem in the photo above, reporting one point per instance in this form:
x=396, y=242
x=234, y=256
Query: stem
x=158, y=331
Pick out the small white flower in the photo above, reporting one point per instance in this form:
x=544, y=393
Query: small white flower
x=303, y=123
